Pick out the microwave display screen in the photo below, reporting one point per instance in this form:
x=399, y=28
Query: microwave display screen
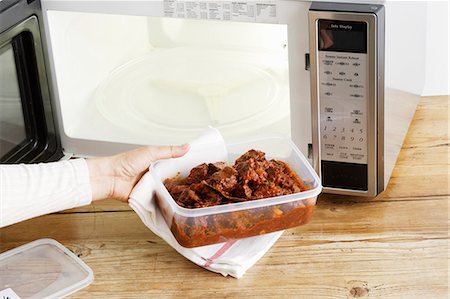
x=12, y=125
x=342, y=36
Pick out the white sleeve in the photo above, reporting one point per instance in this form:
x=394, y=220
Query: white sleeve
x=27, y=191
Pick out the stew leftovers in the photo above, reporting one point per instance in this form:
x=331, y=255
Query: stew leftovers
x=252, y=177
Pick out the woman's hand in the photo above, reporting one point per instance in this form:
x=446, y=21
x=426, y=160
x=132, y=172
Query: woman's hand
x=115, y=176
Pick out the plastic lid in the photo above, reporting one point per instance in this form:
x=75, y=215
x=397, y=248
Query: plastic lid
x=43, y=268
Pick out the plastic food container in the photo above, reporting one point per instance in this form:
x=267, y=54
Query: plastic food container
x=217, y=224
x=42, y=269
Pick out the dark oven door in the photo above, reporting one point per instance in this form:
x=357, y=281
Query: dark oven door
x=27, y=127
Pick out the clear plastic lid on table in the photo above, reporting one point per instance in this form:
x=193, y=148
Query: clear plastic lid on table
x=43, y=269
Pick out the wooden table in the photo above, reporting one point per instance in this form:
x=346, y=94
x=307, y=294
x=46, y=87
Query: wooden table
x=394, y=246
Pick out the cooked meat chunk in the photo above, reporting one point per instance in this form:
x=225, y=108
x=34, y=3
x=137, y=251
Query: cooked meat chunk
x=214, y=167
x=247, y=171
x=225, y=180
x=269, y=190
x=251, y=154
x=197, y=174
x=188, y=198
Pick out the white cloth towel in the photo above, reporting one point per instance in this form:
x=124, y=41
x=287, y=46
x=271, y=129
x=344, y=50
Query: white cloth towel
x=234, y=257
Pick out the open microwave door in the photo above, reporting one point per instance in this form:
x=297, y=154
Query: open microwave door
x=126, y=75
x=27, y=127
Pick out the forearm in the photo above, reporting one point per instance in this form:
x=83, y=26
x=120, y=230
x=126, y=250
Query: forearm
x=28, y=191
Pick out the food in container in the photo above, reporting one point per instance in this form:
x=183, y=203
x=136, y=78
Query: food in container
x=252, y=177
x=193, y=227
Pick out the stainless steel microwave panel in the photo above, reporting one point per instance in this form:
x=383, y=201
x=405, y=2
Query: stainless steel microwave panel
x=347, y=88
x=77, y=74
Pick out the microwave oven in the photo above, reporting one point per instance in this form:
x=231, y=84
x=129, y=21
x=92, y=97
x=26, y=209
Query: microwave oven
x=88, y=78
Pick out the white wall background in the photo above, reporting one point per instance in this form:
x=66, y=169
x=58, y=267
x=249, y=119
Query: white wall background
x=417, y=46
x=437, y=76
x=405, y=45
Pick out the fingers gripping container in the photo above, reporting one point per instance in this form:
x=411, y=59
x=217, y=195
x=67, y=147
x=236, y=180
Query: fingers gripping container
x=217, y=224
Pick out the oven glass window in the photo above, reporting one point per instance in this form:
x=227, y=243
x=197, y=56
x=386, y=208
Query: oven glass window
x=12, y=125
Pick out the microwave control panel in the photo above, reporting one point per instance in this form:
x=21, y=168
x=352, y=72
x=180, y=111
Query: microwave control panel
x=343, y=91
x=343, y=96
x=347, y=94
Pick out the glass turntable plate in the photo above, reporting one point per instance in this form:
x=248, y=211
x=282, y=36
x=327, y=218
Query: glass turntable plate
x=186, y=89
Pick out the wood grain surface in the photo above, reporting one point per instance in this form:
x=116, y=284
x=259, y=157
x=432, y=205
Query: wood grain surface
x=393, y=246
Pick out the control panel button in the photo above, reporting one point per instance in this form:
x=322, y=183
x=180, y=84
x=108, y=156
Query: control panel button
x=343, y=156
x=357, y=157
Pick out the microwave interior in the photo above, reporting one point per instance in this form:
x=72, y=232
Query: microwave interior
x=156, y=80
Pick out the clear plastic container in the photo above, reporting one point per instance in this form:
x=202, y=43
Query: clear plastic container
x=42, y=269
x=217, y=224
